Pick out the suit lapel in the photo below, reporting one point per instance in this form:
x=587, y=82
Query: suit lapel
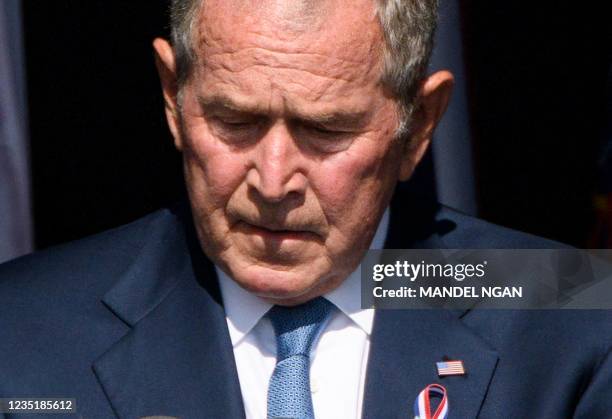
x=406, y=344
x=176, y=358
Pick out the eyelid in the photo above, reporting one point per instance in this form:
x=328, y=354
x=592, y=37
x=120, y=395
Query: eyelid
x=235, y=120
x=326, y=127
x=326, y=140
x=233, y=115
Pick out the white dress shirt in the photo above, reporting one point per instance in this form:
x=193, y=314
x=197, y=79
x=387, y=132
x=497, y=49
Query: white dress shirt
x=338, y=358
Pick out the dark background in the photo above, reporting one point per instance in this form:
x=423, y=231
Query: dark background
x=102, y=155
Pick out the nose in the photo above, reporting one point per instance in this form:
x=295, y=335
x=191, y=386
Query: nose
x=276, y=170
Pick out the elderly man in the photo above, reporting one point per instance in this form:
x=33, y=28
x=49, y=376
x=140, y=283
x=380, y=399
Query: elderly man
x=295, y=119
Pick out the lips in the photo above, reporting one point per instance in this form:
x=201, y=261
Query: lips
x=276, y=232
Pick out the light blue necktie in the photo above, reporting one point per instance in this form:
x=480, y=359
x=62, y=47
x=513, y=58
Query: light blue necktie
x=296, y=329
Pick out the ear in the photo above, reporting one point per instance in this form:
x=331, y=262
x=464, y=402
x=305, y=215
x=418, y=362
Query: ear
x=431, y=102
x=166, y=68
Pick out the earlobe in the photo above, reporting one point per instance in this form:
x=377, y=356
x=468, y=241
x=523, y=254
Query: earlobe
x=166, y=68
x=432, y=99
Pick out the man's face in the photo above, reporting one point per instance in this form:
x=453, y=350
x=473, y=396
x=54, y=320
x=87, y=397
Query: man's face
x=288, y=142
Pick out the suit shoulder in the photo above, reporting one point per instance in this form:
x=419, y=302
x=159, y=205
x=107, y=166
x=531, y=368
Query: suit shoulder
x=465, y=231
x=86, y=265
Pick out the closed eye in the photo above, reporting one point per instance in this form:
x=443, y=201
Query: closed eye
x=324, y=139
x=318, y=129
x=235, y=123
x=236, y=129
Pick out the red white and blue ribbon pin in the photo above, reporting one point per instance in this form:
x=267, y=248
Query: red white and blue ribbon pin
x=422, y=404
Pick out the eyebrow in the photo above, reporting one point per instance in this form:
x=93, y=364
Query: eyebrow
x=221, y=102
x=353, y=119
x=356, y=119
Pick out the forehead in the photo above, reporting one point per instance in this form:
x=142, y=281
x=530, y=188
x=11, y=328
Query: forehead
x=334, y=39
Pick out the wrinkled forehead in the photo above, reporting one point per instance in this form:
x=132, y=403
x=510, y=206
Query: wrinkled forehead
x=340, y=30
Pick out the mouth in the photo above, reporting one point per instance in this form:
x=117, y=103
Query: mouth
x=276, y=233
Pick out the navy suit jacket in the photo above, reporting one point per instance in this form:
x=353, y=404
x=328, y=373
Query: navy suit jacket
x=130, y=323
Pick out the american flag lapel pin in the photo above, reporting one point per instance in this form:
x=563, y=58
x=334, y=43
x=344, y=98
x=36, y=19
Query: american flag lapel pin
x=450, y=367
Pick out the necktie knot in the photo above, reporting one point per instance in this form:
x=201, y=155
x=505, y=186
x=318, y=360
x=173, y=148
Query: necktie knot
x=297, y=327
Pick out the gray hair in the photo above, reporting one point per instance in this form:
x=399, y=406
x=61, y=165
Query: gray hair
x=408, y=27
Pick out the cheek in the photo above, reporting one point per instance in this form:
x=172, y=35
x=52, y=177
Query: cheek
x=213, y=171
x=353, y=186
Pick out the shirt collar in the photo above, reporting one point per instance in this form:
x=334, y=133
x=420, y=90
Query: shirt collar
x=244, y=309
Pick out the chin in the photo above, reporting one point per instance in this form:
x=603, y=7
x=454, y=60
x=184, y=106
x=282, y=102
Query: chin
x=279, y=285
